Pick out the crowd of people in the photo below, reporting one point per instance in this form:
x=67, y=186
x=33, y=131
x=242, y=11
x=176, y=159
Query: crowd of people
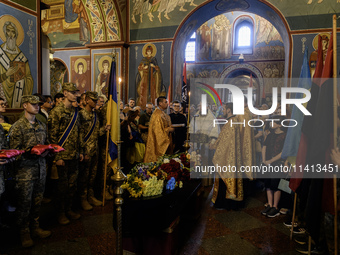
x=71, y=179
x=78, y=124
x=262, y=145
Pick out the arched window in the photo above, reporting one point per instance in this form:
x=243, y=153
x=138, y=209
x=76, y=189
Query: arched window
x=243, y=39
x=243, y=36
x=190, y=52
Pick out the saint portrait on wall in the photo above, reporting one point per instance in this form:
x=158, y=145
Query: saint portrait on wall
x=149, y=81
x=15, y=74
x=203, y=41
x=102, y=82
x=314, y=56
x=80, y=73
x=221, y=38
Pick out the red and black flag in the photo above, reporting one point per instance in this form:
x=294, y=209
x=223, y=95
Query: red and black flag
x=320, y=143
x=185, y=89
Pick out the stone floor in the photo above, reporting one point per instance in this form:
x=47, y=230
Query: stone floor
x=215, y=232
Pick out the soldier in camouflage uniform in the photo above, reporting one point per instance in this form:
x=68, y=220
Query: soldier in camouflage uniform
x=89, y=133
x=66, y=161
x=30, y=169
x=3, y=145
x=102, y=155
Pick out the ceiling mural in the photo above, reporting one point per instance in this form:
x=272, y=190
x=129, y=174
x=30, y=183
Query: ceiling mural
x=306, y=7
x=159, y=13
x=306, y=14
x=74, y=23
x=111, y=19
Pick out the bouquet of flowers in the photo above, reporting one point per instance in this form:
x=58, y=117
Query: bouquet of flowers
x=176, y=167
x=146, y=180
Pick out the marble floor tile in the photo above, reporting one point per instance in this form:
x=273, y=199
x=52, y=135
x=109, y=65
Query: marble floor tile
x=98, y=224
x=239, y=221
x=268, y=240
x=77, y=246
x=229, y=245
x=103, y=243
x=214, y=228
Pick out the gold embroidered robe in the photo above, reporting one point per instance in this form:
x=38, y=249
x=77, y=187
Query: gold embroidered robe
x=247, y=141
x=159, y=139
x=228, y=152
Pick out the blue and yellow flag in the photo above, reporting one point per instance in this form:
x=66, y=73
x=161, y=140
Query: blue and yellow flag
x=291, y=145
x=112, y=117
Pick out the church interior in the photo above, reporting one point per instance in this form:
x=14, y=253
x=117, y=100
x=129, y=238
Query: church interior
x=59, y=41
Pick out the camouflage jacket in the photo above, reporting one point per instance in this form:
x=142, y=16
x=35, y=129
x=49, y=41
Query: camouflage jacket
x=3, y=139
x=58, y=121
x=90, y=148
x=22, y=136
x=3, y=145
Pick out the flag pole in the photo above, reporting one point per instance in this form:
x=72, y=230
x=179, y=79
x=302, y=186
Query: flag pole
x=293, y=218
x=335, y=130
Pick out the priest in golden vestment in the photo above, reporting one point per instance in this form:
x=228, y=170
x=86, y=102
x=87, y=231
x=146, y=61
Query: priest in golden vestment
x=228, y=186
x=247, y=140
x=159, y=136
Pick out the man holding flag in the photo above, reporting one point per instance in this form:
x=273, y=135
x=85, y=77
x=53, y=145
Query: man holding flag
x=111, y=118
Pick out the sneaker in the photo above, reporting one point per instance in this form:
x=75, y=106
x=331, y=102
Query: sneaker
x=284, y=211
x=314, y=251
x=301, y=240
x=73, y=215
x=299, y=231
x=266, y=210
x=288, y=224
x=273, y=212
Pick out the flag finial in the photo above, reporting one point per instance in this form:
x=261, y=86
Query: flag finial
x=114, y=54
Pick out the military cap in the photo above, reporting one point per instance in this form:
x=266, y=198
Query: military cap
x=92, y=94
x=30, y=99
x=69, y=86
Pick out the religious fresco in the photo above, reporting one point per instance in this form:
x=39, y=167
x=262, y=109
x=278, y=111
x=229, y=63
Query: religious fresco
x=303, y=42
x=159, y=13
x=221, y=38
x=214, y=39
x=18, y=51
x=102, y=74
x=81, y=72
x=325, y=37
x=102, y=59
x=58, y=77
x=306, y=7
x=305, y=14
x=74, y=23
x=265, y=31
x=149, y=79
x=67, y=56
x=150, y=71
